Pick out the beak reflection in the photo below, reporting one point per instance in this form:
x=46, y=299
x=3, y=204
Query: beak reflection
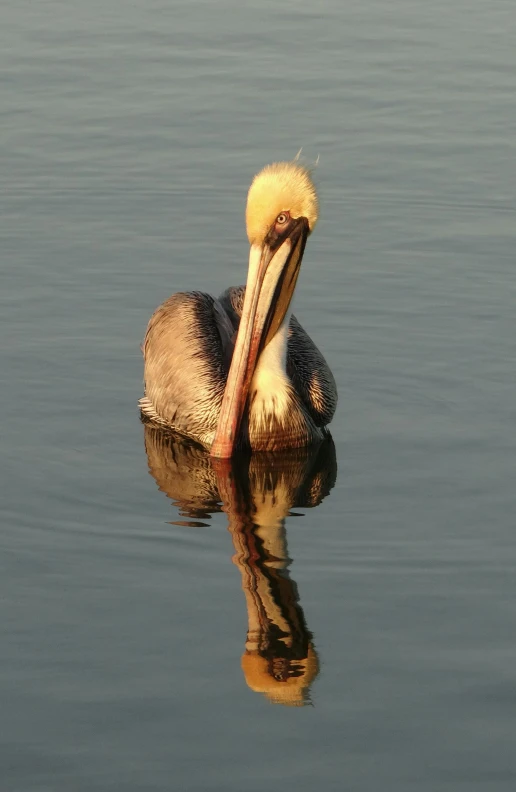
x=257, y=494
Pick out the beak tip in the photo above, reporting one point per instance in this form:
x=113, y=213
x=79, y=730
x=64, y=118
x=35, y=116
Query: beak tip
x=222, y=449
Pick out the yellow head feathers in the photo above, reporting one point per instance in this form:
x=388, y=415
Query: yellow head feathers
x=280, y=187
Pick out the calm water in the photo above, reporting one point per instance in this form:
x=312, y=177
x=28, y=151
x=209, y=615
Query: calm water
x=129, y=134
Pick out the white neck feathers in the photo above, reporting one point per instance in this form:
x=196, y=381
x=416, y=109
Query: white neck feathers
x=271, y=385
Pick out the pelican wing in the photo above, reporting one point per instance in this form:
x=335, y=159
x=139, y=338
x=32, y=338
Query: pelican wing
x=310, y=375
x=187, y=350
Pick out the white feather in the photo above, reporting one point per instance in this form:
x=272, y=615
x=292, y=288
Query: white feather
x=270, y=382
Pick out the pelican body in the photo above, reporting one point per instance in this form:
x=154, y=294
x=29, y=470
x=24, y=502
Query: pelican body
x=239, y=371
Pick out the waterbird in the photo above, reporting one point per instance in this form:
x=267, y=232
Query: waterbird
x=240, y=371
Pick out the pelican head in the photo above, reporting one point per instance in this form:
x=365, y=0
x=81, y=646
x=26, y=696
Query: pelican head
x=282, y=210
x=283, y=187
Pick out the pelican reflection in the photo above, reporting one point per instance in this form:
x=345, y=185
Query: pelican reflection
x=257, y=493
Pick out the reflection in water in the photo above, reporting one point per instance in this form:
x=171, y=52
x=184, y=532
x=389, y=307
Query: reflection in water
x=257, y=493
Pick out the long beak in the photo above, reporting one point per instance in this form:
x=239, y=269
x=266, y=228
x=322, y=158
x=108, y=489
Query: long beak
x=271, y=280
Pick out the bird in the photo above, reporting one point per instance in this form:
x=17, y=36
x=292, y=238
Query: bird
x=239, y=371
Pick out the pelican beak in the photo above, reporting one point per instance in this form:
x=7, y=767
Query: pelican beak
x=271, y=280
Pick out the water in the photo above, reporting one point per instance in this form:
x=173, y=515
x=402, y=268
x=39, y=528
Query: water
x=130, y=132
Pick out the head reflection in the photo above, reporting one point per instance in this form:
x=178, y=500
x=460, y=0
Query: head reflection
x=257, y=492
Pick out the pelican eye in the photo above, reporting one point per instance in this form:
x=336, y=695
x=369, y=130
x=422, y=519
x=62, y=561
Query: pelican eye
x=282, y=218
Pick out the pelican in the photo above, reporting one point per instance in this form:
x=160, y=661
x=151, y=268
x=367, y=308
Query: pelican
x=239, y=371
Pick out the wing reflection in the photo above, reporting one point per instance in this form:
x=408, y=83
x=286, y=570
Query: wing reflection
x=257, y=492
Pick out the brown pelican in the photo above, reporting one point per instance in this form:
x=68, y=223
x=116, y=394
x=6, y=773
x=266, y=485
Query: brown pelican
x=269, y=388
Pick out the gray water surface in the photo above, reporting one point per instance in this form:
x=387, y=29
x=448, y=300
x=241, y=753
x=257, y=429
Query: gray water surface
x=130, y=132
